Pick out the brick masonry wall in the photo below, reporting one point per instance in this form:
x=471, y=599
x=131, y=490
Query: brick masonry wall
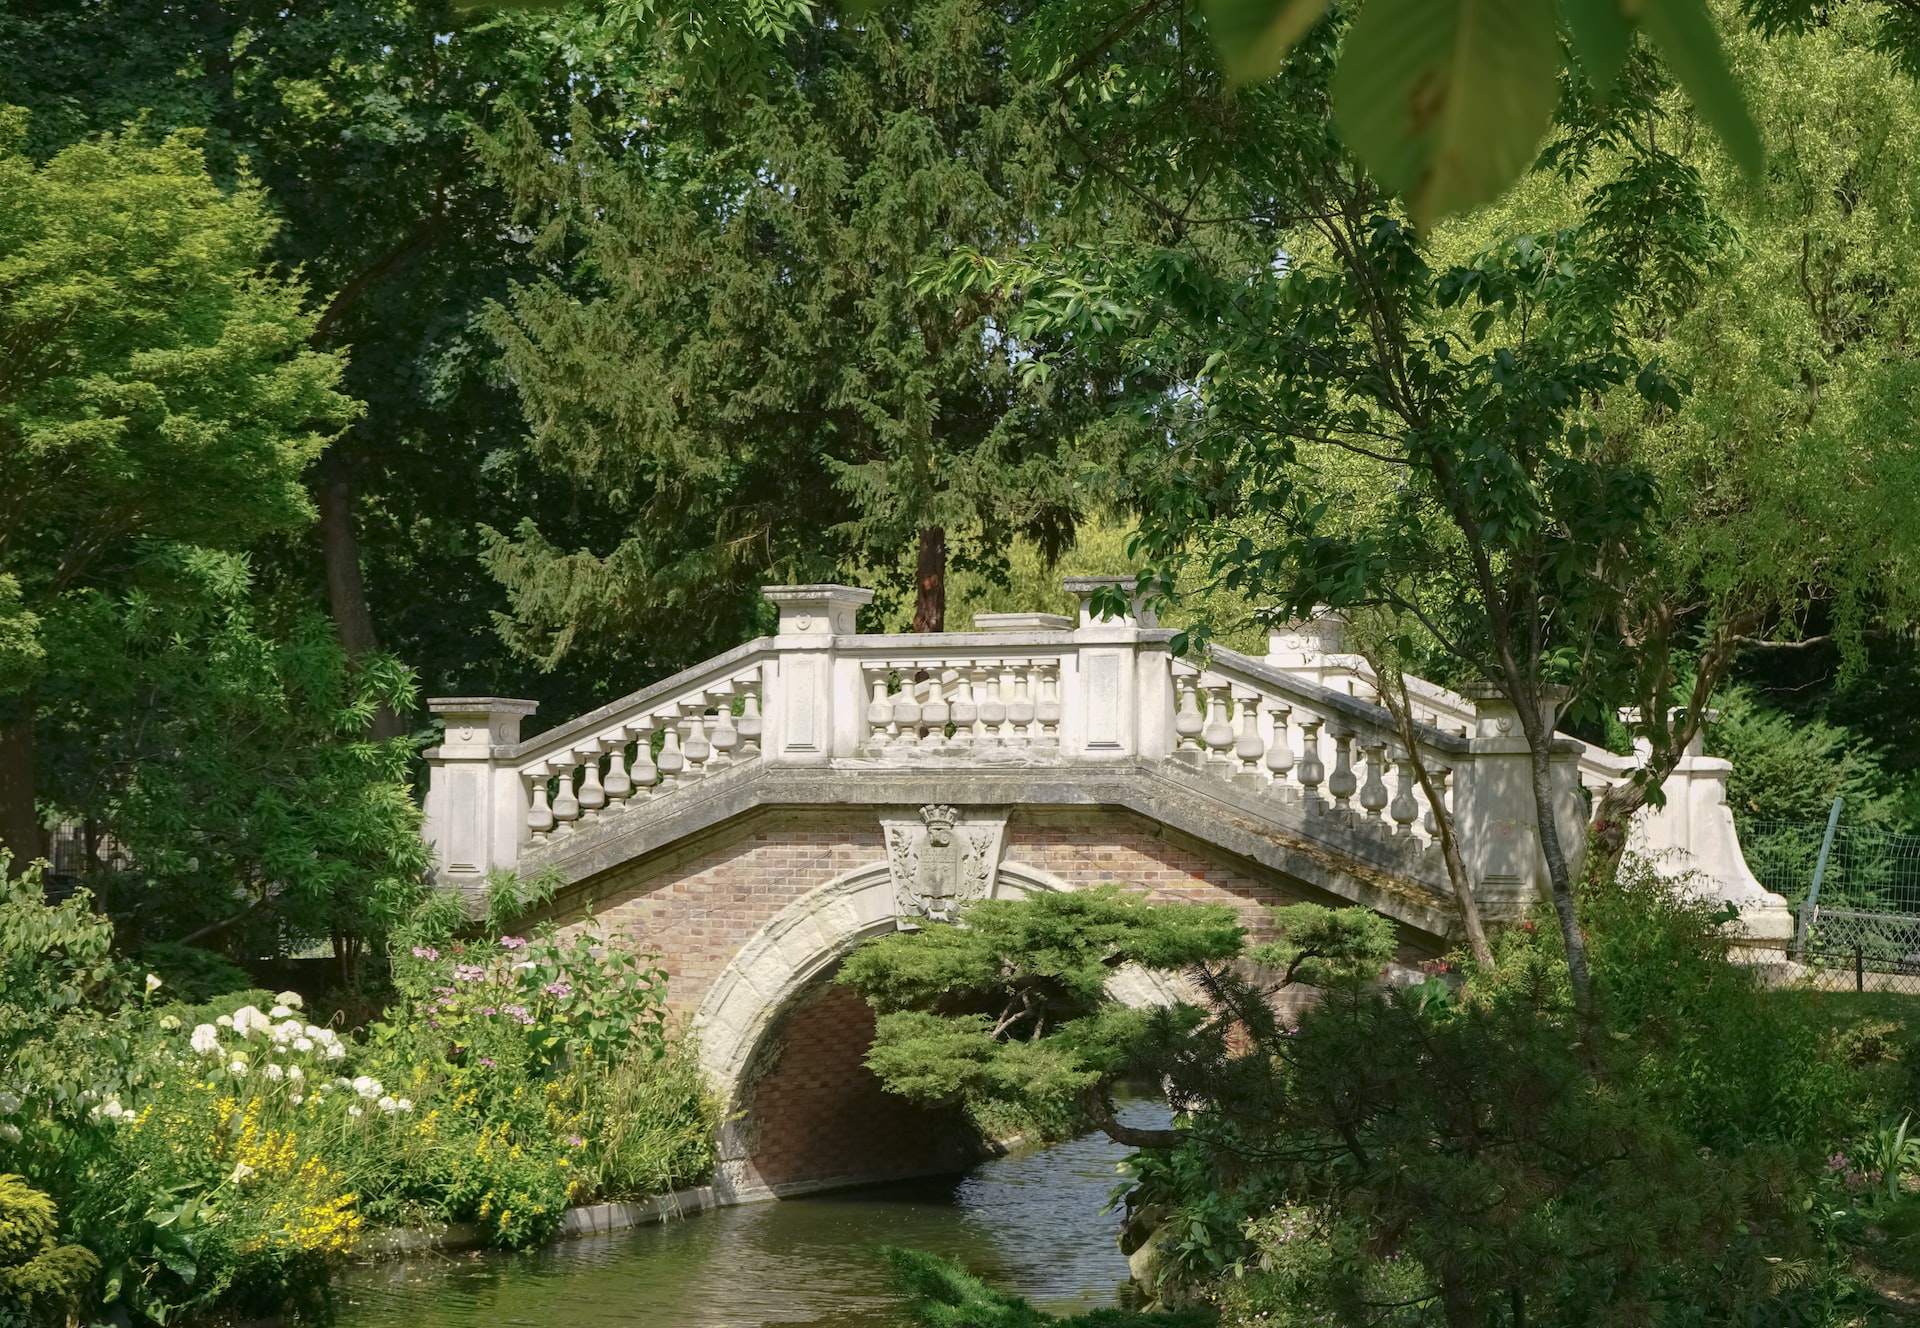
x=820, y=1116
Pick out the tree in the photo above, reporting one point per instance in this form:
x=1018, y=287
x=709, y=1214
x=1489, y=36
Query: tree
x=731, y=351
x=160, y=398
x=1366, y=420
x=1443, y=1144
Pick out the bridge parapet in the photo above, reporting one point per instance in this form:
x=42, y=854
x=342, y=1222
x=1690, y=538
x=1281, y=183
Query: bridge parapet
x=1298, y=737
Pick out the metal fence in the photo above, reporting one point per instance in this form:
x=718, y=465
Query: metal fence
x=1856, y=890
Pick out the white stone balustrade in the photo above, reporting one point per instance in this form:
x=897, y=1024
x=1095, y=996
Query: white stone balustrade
x=1298, y=734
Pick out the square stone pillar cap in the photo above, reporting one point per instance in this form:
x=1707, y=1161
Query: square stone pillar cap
x=476, y=723
x=1083, y=587
x=818, y=611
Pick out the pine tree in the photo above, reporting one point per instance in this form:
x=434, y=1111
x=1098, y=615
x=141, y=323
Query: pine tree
x=736, y=351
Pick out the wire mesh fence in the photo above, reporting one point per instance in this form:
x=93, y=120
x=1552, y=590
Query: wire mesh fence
x=1856, y=892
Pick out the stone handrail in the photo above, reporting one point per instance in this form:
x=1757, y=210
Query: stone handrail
x=1300, y=731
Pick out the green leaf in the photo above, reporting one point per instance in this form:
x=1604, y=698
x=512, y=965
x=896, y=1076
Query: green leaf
x=1252, y=37
x=1601, y=35
x=1445, y=101
x=1684, y=32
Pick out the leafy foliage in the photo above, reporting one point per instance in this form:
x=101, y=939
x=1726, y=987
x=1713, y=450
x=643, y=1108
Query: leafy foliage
x=1448, y=1152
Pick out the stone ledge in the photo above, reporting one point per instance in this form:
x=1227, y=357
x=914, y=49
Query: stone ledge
x=585, y=1220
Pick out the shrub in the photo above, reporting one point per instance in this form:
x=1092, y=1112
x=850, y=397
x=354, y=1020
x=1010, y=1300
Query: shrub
x=41, y=1280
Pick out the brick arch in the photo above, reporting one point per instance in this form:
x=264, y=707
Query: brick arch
x=786, y=1048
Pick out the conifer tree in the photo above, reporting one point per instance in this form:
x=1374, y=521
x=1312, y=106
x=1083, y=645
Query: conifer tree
x=735, y=352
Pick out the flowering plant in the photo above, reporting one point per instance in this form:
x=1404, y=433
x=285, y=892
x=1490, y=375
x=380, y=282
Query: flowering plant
x=547, y=1000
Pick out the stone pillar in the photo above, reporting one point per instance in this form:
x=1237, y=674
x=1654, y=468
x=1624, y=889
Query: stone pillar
x=1121, y=694
x=1314, y=648
x=476, y=807
x=1494, y=814
x=804, y=726
x=1693, y=838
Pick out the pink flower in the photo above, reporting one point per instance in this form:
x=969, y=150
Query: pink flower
x=513, y=942
x=468, y=973
x=558, y=989
x=425, y=952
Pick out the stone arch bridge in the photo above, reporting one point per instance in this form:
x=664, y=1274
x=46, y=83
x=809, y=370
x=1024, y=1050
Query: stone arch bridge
x=754, y=818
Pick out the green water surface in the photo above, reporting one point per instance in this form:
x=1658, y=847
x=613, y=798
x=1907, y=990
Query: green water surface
x=1030, y=1222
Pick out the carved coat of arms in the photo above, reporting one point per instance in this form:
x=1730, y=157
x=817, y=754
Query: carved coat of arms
x=943, y=859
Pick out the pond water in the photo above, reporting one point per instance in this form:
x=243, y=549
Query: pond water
x=1030, y=1222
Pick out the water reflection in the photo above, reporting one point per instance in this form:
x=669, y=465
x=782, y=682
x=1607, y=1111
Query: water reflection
x=1030, y=1222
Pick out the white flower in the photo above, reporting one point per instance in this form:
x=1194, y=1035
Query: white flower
x=238, y=1069
x=248, y=1019
x=335, y=1051
x=8, y=1104
x=297, y=1099
x=89, y=1095
x=405, y=1104
x=343, y=1082
x=368, y=1087
x=289, y=998
x=325, y=1089
x=109, y=1110
x=353, y=1111
x=303, y=1044
x=274, y=1072
x=295, y=1073
x=280, y=1012
x=153, y=982
x=387, y=1105
x=286, y=1031
x=169, y=1023
x=225, y=1021
x=240, y=1172
x=11, y=1133
x=206, y=1040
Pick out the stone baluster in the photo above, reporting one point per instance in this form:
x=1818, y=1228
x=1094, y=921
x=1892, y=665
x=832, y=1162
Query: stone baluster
x=1341, y=783
x=672, y=761
x=1405, y=807
x=880, y=728
x=1020, y=709
x=1249, y=746
x=965, y=706
x=1438, y=776
x=1187, y=719
x=566, y=806
x=750, y=724
x=905, y=730
x=1311, y=770
x=645, y=773
x=1280, y=748
x=935, y=713
x=618, y=783
x=539, y=814
x=694, y=744
x=725, y=736
x=993, y=709
x=1373, y=793
x=1217, y=733
x=593, y=794
x=1046, y=706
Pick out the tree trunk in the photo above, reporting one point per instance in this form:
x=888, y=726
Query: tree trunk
x=1099, y=1110
x=346, y=591
x=1393, y=692
x=930, y=608
x=1560, y=873
x=19, y=821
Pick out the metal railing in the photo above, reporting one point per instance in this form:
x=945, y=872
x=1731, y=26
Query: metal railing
x=1856, y=891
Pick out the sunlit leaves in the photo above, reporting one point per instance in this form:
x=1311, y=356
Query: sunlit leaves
x=1447, y=100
